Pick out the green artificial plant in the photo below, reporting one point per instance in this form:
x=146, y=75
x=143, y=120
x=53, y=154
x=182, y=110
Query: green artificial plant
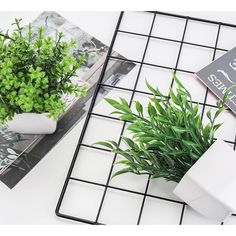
x=35, y=72
x=169, y=139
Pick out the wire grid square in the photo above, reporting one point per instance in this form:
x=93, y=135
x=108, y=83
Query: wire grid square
x=162, y=188
x=201, y=33
x=130, y=46
x=86, y=166
x=161, y=52
x=227, y=38
x=136, y=22
x=194, y=58
x=77, y=193
x=120, y=207
x=154, y=76
x=191, y=217
x=160, y=212
x=103, y=128
x=168, y=27
x=130, y=199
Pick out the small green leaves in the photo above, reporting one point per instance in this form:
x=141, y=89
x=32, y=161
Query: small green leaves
x=35, y=74
x=169, y=139
x=105, y=144
x=123, y=106
x=174, y=98
x=180, y=129
x=209, y=115
x=124, y=102
x=151, y=110
x=219, y=111
x=139, y=108
x=123, y=171
x=154, y=91
x=127, y=117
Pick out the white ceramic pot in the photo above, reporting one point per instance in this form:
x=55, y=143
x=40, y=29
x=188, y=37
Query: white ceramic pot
x=210, y=184
x=32, y=123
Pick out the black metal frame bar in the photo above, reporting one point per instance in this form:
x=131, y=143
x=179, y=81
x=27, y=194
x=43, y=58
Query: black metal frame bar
x=133, y=91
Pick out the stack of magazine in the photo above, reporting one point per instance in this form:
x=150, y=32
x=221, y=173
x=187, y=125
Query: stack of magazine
x=19, y=153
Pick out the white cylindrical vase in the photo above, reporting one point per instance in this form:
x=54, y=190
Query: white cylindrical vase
x=32, y=123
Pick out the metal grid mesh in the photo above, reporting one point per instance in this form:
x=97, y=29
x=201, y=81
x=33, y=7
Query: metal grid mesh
x=147, y=206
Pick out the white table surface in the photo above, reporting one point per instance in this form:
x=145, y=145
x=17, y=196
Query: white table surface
x=34, y=199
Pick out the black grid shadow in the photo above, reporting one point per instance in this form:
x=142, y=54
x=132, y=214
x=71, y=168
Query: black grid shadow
x=106, y=188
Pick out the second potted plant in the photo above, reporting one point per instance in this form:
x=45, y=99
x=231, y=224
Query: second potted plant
x=171, y=142
x=35, y=74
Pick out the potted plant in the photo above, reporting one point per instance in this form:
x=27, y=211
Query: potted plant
x=171, y=142
x=35, y=74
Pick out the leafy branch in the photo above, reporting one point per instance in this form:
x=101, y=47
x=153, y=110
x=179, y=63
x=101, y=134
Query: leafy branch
x=35, y=72
x=169, y=139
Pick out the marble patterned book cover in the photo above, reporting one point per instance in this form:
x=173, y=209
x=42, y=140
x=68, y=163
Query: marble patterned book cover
x=19, y=153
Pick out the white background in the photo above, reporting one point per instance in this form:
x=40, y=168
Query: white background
x=34, y=199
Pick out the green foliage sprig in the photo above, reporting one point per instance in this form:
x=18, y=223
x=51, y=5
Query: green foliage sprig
x=169, y=140
x=35, y=72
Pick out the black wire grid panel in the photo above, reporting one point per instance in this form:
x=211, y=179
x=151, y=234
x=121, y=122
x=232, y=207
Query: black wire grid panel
x=142, y=201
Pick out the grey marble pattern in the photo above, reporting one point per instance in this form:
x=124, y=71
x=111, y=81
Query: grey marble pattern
x=20, y=153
